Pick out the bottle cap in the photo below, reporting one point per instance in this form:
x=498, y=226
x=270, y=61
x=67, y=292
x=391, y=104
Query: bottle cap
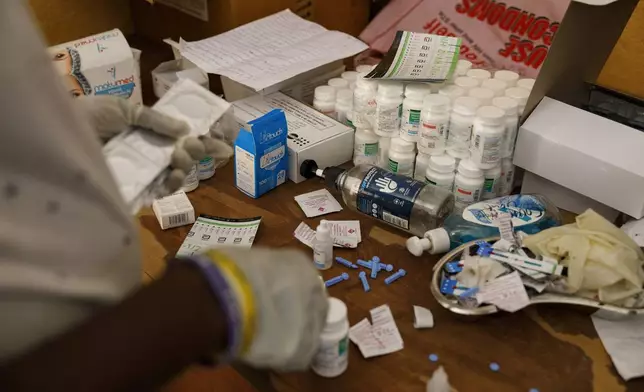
x=452, y=92
x=466, y=83
x=436, y=102
x=462, y=66
x=324, y=93
x=527, y=83
x=390, y=89
x=338, y=83
x=344, y=96
x=508, y=77
x=468, y=168
x=336, y=316
x=480, y=74
x=520, y=94
x=416, y=246
x=496, y=85
x=322, y=232
x=349, y=76
x=398, y=144
x=466, y=105
x=483, y=94
x=439, y=239
x=365, y=68
x=490, y=115
x=366, y=84
x=507, y=104
x=417, y=90
x=442, y=163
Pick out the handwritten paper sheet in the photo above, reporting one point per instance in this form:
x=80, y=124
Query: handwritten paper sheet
x=380, y=338
x=270, y=50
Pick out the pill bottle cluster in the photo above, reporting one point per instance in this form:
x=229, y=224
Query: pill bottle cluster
x=458, y=135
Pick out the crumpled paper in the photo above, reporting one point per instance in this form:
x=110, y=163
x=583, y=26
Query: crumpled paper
x=478, y=270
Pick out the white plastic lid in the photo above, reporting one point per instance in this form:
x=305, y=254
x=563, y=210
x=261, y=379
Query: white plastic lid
x=509, y=105
x=390, y=89
x=349, y=76
x=322, y=232
x=483, y=94
x=462, y=66
x=324, y=93
x=338, y=83
x=365, y=84
x=366, y=68
x=458, y=154
x=336, y=316
x=508, y=77
x=466, y=106
x=520, y=94
x=527, y=83
x=439, y=239
x=436, y=102
x=480, y=74
x=442, y=163
x=490, y=115
x=417, y=90
x=452, y=92
x=468, y=168
x=398, y=144
x=416, y=246
x=466, y=82
x=496, y=85
x=344, y=97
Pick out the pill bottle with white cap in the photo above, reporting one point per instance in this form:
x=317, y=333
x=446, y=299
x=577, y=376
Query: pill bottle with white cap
x=402, y=155
x=482, y=94
x=462, y=66
x=384, y=143
x=324, y=100
x=497, y=86
x=364, y=102
x=191, y=182
x=466, y=83
x=458, y=155
x=461, y=122
x=511, y=109
x=479, y=74
x=350, y=77
x=434, y=124
x=343, y=105
x=422, y=160
x=492, y=179
x=412, y=106
x=507, y=177
x=452, y=92
x=440, y=171
x=527, y=83
x=388, y=109
x=468, y=184
x=487, y=137
x=365, y=147
x=519, y=94
x=332, y=357
x=509, y=77
x=338, y=83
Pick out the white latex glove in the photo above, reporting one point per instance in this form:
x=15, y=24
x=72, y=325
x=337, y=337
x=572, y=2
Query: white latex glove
x=290, y=301
x=111, y=115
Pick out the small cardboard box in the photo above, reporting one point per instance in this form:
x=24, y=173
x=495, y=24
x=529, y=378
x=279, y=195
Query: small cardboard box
x=260, y=154
x=102, y=64
x=311, y=134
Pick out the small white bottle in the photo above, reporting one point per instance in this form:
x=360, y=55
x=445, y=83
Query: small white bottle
x=520, y=95
x=482, y=94
x=412, y=106
x=338, y=84
x=468, y=185
x=440, y=171
x=507, y=177
x=497, y=86
x=460, y=124
x=350, y=77
x=462, y=66
x=458, y=155
x=343, y=105
x=323, y=247
x=511, y=109
x=402, y=155
x=466, y=83
x=364, y=102
x=332, y=357
x=479, y=74
x=324, y=100
x=434, y=124
x=492, y=180
x=205, y=168
x=388, y=109
x=365, y=147
x=191, y=181
x=509, y=77
x=452, y=92
x=487, y=137
x=422, y=160
x=527, y=83
x=383, y=152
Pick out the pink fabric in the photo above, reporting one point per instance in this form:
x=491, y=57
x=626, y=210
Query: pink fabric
x=514, y=35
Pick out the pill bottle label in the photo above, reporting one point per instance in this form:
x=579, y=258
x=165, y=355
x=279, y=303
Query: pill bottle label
x=388, y=196
x=489, y=186
x=487, y=149
x=332, y=358
x=388, y=120
x=411, y=122
x=364, y=110
x=460, y=131
x=365, y=153
x=465, y=197
x=524, y=209
x=432, y=136
x=403, y=169
x=447, y=186
x=319, y=257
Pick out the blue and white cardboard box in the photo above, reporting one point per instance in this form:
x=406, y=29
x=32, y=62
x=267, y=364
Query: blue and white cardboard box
x=261, y=160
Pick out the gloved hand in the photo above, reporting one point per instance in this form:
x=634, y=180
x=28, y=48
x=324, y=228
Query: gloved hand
x=112, y=115
x=281, y=303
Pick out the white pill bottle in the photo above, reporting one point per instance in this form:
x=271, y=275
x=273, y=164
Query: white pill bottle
x=434, y=124
x=364, y=102
x=402, y=155
x=343, y=105
x=440, y=172
x=488, y=134
x=511, y=109
x=332, y=357
x=492, y=178
x=206, y=168
x=191, y=182
x=467, y=185
x=422, y=160
x=388, y=109
x=412, y=106
x=461, y=123
x=365, y=147
x=324, y=100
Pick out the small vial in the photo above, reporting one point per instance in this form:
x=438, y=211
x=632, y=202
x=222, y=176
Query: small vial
x=402, y=155
x=519, y=94
x=487, y=137
x=479, y=74
x=466, y=83
x=440, y=172
x=462, y=66
x=527, y=83
x=324, y=100
x=338, y=84
x=482, y=94
x=492, y=179
x=205, y=168
x=364, y=102
x=452, y=92
x=467, y=185
x=365, y=147
x=192, y=180
x=422, y=160
x=332, y=357
x=383, y=152
x=343, y=105
x=434, y=123
x=460, y=124
x=507, y=177
x=412, y=106
x=497, y=86
x=509, y=77
x=323, y=247
x=388, y=109
x=511, y=109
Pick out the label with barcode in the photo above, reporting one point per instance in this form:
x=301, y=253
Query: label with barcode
x=180, y=219
x=394, y=220
x=487, y=149
x=505, y=227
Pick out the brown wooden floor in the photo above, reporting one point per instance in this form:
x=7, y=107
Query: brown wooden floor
x=202, y=379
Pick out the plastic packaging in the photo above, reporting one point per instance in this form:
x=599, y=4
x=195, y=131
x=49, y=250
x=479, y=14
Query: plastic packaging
x=527, y=83
x=511, y=109
x=434, y=122
x=482, y=94
x=323, y=247
x=507, y=177
x=466, y=83
x=509, y=77
x=452, y=92
x=402, y=155
x=388, y=109
x=412, y=106
x=338, y=84
x=492, y=178
x=332, y=357
x=440, y=172
x=365, y=147
x=461, y=123
x=479, y=74
x=205, y=168
x=530, y=214
x=364, y=102
x=468, y=184
x=487, y=137
x=324, y=100
x=383, y=152
x=497, y=86
x=519, y=94
x=399, y=201
x=343, y=105
x=192, y=180
x=422, y=160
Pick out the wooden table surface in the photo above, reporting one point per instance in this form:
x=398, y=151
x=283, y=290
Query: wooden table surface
x=549, y=348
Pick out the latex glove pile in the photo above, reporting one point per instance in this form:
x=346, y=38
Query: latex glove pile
x=602, y=260
x=287, y=301
x=112, y=115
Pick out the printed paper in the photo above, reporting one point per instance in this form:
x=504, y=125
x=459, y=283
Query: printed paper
x=506, y=293
x=210, y=232
x=318, y=203
x=380, y=338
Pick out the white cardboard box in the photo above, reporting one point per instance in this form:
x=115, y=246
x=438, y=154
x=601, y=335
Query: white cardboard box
x=311, y=134
x=174, y=210
x=588, y=154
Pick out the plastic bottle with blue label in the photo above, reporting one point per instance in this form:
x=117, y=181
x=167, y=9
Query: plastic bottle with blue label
x=530, y=214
